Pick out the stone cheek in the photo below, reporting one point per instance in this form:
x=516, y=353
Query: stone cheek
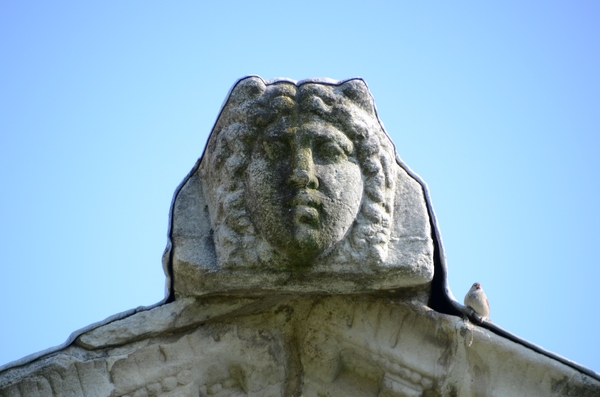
x=299, y=190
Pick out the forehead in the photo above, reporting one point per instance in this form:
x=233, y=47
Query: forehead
x=310, y=131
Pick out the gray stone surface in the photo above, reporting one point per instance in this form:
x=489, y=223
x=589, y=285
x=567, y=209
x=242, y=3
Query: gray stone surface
x=299, y=190
x=292, y=345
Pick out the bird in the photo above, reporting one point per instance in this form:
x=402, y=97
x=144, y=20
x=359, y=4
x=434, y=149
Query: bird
x=476, y=300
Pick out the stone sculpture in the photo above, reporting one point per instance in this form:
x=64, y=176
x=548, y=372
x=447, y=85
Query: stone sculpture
x=303, y=260
x=299, y=189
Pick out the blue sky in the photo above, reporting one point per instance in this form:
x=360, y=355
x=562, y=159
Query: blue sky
x=105, y=107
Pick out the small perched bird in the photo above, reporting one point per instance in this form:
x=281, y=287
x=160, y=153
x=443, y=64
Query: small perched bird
x=476, y=300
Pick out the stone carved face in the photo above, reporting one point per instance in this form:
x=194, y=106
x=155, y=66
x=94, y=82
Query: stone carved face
x=305, y=186
x=299, y=175
x=299, y=189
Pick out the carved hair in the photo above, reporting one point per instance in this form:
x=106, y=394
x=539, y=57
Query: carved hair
x=251, y=107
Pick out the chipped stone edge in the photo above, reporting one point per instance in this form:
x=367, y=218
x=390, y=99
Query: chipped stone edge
x=74, y=335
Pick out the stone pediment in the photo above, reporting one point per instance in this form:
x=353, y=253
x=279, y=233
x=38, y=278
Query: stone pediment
x=303, y=259
x=293, y=345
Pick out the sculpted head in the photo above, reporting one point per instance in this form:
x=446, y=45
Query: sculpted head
x=299, y=190
x=304, y=185
x=299, y=173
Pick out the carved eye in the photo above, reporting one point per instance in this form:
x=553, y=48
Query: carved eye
x=327, y=152
x=275, y=148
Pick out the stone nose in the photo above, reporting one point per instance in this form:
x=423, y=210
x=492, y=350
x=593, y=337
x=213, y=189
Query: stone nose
x=303, y=170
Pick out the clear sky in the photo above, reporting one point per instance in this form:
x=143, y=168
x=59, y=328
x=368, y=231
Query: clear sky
x=106, y=105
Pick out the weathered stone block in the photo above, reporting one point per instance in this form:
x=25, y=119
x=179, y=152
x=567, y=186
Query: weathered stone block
x=299, y=189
